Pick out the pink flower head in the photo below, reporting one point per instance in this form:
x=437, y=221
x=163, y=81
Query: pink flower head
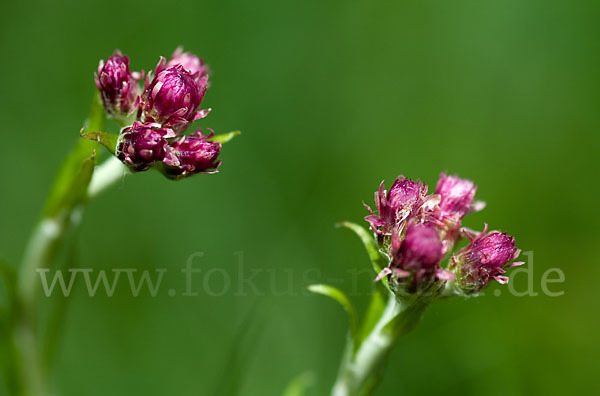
x=192, y=154
x=118, y=86
x=396, y=206
x=416, y=258
x=456, y=196
x=487, y=256
x=420, y=249
x=173, y=96
x=190, y=62
x=143, y=144
x=455, y=200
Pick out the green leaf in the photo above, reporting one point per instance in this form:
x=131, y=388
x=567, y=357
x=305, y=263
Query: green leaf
x=75, y=169
x=97, y=116
x=53, y=336
x=299, y=384
x=341, y=298
x=373, y=313
x=71, y=185
x=108, y=140
x=378, y=259
x=370, y=244
x=225, y=137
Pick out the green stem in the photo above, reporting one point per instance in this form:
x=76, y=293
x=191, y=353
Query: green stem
x=75, y=184
x=109, y=173
x=40, y=253
x=361, y=371
x=358, y=367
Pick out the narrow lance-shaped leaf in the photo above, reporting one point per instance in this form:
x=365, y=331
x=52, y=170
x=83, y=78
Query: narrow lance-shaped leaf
x=97, y=115
x=108, y=140
x=65, y=182
x=378, y=260
x=225, y=137
x=56, y=319
x=341, y=298
x=373, y=313
x=76, y=193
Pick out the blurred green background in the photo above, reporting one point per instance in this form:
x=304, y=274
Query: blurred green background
x=332, y=97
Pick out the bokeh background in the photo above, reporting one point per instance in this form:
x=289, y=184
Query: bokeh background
x=332, y=98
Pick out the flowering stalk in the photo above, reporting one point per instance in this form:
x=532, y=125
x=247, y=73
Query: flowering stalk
x=139, y=146
x=412, y=234
x=360, y=370
x=62, y=213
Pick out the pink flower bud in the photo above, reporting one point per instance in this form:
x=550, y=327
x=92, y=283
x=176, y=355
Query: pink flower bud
x=456, y=196
x=396, y=206
x=173, y=96
x=485, y=258
x=141, y=145
x=192, y=154
x=416, y=258
x=421, y=249
x=190, y=62
x=118, y=86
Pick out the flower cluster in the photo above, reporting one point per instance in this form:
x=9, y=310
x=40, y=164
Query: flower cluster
x=416, y=230
x=156, y=117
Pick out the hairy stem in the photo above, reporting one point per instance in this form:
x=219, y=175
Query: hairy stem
x=361, y=371
x=363, y=364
